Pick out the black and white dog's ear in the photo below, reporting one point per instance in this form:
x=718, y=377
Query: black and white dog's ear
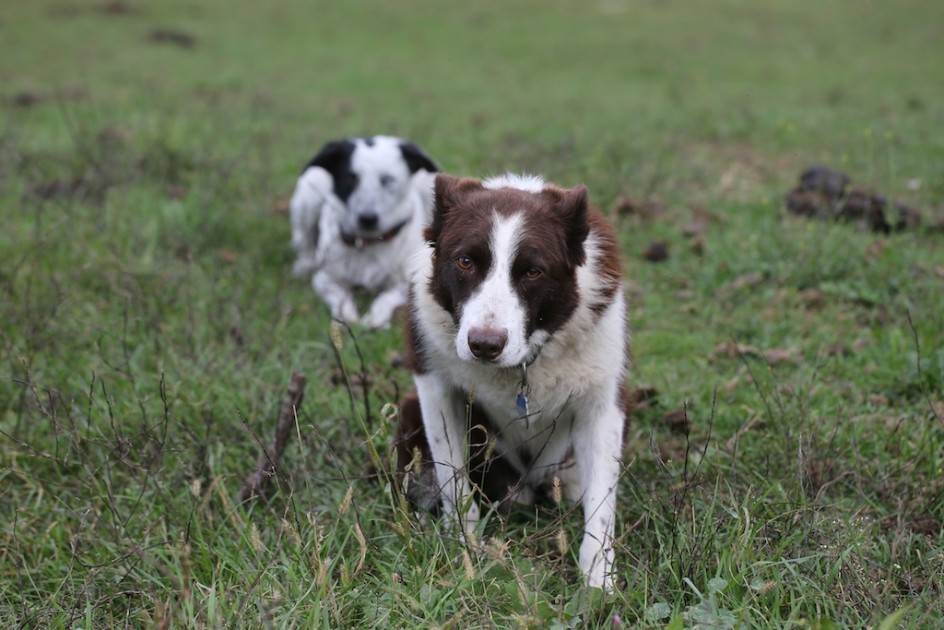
x=331, y=155
x=417, y=159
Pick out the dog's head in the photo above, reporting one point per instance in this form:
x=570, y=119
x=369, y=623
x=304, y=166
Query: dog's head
x=371, y=180
x=506, y=253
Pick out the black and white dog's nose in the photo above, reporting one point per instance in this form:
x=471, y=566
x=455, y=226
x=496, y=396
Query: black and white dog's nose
x=368, y=220
x=487, y=343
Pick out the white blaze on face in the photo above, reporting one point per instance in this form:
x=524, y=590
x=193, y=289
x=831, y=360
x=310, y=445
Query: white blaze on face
x=383, y=184
x=495, y=303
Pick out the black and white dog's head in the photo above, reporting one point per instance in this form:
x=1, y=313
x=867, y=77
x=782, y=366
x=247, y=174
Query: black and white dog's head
x=370, y=179
x=506, y=253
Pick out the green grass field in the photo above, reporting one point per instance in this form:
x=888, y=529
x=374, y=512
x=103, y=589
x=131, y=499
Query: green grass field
x=149, y=325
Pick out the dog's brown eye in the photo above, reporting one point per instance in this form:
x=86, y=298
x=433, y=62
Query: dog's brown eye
x=464, y=263
x=533, y=273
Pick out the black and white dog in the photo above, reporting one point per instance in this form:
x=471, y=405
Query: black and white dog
x=358, y=213
x=519, y=348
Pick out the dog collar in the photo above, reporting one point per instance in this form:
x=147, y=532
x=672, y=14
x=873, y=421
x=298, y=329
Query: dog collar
x=524, y=391
x=359, y=242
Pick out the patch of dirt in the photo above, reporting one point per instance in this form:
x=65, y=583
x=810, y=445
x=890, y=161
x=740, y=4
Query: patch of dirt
x=57, y=188
x=645, y=210
x=113, y=8
x=357, y=379
x=922, y=524
x=825, y=193
x=699, y=222
x=773, y=356
x=172, y=37
x=732, y=350
x=743, y=281
x=27, y=99
x=657, y=251
x=116, y=7
x=676, y=421
x=778, y=356
x=819, y=473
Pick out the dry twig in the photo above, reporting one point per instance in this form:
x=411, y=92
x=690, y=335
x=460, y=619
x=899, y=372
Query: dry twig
x=258, y=483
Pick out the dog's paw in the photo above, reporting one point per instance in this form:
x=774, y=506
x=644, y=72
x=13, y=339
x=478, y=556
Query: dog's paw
x=373, y=320
x=345, y=312
x=597, y=564
x=385, y=305
x=468, y=514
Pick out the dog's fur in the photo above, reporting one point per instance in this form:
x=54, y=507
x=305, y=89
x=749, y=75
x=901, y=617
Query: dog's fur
x=358, y=213
x=518, y=277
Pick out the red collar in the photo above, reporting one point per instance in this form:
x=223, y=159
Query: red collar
x=360, y=242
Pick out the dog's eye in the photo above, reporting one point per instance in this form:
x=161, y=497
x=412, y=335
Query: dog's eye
x=387, y=180
x=352, y=179
x=533, y=273
x=464, y=263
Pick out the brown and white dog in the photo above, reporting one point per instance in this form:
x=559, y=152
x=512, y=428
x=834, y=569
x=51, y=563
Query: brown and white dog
x=519, y=347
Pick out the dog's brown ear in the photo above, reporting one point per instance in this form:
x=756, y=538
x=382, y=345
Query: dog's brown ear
x=572, y=208
x=448, y=193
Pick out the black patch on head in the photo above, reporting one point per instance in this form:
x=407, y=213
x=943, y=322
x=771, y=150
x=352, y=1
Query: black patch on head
x=452, y=285
x=555, y=245
x=468, y=237
x=335, y=157
x=416, y=159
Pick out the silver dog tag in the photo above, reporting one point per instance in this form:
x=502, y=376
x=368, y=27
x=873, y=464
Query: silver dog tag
x=521, y=400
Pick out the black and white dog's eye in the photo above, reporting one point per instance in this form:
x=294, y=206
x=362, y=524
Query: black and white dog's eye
x=387, y=180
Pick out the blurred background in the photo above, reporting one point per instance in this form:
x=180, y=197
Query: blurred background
x=790, y=445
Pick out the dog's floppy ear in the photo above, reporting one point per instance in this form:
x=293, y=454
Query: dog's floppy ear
x=331, y=155
x=417, y=159
x=448, y=193
x=572, y=208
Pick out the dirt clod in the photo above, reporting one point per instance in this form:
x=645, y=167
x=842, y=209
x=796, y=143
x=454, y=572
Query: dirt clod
x=657, y=251
x=824, y=193
x=172, y=37
x=676, y=421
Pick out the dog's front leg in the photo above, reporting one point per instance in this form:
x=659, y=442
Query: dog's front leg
x=381, y=311
x=597, y=448
x=443, y=409
x=338, y=297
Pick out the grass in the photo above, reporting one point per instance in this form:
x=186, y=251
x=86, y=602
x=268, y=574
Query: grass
x=149, y=326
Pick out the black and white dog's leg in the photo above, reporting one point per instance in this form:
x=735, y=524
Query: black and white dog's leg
x=381, y=311
x=305, y=212
x=443, y=411
x=337, y=296
x=597, y=449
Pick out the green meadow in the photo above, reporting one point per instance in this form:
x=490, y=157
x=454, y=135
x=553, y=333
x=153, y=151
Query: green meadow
x=786, y=471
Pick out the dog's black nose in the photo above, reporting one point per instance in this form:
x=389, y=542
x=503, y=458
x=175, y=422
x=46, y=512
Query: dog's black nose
x=368, y=220
x=487, y=343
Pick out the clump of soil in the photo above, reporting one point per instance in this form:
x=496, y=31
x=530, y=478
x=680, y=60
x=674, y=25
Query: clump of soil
x=825, y=193
x=172, y=37
x=657, y=251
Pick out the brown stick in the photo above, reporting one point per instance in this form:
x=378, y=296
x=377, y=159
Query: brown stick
x=259, y=482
